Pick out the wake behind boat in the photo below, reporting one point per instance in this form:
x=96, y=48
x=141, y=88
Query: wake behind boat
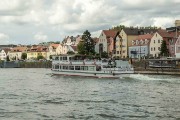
x=70, y=65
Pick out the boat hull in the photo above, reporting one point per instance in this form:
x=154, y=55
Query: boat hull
x=90, y=74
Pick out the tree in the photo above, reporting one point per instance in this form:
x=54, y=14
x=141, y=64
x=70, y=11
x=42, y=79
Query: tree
x=7, y=58
x=119, y=27
x=24, y=56
x=104, y=55
x=70, y=53
x=81, y=48
x=40, y=57
x=88, y=43
x=50, y=57
x=164, y=50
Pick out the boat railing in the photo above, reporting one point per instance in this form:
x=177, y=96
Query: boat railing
x=118, y=68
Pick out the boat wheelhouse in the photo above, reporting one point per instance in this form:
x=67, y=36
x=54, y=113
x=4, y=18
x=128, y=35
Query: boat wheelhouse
x=72, y=65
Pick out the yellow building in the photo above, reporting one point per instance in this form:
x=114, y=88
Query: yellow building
x=36, y=51
x=16, y=53
x=127, y=35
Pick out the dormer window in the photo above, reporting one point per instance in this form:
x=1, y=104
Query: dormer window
x=146, y=41
x=133, y=42
x=137, y=42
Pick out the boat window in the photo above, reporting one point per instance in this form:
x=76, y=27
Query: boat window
x=71, y=67
x=77, y=67
x=85, y=67
x=65, y=67
x=91, y=68
x=64, y=58
x=56, y=66
x=82, y=67
x=56, y=58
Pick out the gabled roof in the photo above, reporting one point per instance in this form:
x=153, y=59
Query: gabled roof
x=74, y=48
x=143, y=37
x=96, y=40
x=6, y=50
x=54, y=45
x=19, y=49
x=38, y=49
x=110, y=33
x=137, y=31
x=164, y=33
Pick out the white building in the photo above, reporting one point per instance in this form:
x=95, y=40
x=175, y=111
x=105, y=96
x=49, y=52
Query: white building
x=177, y=48
x=155, y=45
x=3, y=54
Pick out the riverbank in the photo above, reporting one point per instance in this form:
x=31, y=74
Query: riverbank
x=23, y=64
x=157, y=71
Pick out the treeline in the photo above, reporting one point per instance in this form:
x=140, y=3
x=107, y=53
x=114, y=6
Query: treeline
x=120, y=27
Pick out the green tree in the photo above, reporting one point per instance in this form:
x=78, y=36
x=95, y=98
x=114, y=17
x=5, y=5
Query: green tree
x=88, y=43
x=164, y=50
x=50, y=57
x=24, y=56
x=7, y=58
x=40, y=57
x=119, y=27
x=104, y=55
x=70, y=53
x=81, y=48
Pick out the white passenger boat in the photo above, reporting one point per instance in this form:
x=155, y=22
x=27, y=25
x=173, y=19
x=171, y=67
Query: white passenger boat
x=70, y=65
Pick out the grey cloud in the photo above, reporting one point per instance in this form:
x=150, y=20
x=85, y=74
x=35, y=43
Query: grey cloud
x=58, y=18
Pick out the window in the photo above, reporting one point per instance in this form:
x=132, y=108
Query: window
x=85, y=67
x=158, y=41
x=64, y=58
x=117, y=52
x=151, y=49
x=178, y=48
x=82, y=67
x=56, y=58
x=154, y=48
x=154, y=41
x=159, y=48
x=71, y=67
x=56, y=66
x=91, y=68
x=77, y=67
x=65, y=67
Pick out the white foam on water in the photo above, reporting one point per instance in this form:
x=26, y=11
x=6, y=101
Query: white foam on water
x=143, y=77
x=155, y=77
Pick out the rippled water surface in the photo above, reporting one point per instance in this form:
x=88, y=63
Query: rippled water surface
x=35, y=94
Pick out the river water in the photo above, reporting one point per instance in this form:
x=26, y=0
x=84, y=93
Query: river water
x=28, y=94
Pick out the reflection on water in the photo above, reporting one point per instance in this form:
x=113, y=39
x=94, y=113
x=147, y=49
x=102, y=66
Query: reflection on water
x=35, y=94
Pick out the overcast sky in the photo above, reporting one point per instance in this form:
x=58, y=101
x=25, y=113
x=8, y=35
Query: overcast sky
x=34, y=21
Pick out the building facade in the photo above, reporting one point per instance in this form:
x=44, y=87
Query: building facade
x=140, y=47
x=177, y=48
x=106, y=42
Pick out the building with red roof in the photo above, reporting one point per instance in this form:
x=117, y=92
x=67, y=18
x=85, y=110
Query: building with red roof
x=139, y=47
x=106, y=42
